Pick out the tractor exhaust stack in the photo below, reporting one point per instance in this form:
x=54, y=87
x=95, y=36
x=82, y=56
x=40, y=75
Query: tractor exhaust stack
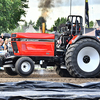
x=43, y=27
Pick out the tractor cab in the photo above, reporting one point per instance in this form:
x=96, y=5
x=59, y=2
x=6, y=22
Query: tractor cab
x=72, y=28
x=74, y=23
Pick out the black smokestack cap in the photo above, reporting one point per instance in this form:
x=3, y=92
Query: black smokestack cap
x=42, y=20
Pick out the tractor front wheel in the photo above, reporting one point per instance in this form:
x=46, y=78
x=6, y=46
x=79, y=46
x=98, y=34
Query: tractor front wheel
x=24, y=66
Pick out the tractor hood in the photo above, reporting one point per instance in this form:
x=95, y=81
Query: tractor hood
x=33, y=35
x=33, y=44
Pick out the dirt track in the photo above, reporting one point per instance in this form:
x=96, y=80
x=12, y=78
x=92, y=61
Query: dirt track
x=45, y=75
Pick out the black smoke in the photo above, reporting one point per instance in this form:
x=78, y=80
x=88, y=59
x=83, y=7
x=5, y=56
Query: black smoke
x=46, y=6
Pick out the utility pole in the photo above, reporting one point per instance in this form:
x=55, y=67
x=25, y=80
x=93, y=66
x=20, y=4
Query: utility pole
x=70, y=6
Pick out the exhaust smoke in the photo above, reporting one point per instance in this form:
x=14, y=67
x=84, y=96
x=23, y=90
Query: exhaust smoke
x=46, y=5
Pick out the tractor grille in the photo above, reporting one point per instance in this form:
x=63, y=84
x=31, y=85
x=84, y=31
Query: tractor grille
x=14, y=44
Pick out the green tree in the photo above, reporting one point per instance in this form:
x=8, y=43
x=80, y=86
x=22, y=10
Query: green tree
x=91, y=23
x=58, y=22
x=40, y=21
x=51, y=29
x=25, y=24
x=10, y=13
x=31, y=23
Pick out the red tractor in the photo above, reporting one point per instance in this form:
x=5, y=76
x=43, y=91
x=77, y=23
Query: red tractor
x=79, y=55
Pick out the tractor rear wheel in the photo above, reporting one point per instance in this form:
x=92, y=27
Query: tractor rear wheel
x=83, y=58
x=61, y=72
x=24, y=66
x=10, y=71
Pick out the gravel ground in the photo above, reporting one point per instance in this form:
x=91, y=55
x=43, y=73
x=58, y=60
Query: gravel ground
x=45, y=75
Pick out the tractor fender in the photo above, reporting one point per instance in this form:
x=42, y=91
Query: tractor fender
x=78, y=38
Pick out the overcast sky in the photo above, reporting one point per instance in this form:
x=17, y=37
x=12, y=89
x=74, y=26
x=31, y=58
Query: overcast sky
x=62, y=9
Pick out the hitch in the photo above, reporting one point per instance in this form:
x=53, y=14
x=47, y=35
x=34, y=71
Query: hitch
x=43, y=64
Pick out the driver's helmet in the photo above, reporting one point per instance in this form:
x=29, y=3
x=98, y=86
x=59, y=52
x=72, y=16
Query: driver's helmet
x=68, y=24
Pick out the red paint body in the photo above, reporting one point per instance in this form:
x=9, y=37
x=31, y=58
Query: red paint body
x=35, y=48
x=71, y=41
x=35, y=35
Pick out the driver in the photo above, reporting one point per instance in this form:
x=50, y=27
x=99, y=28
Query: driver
x=74, y=28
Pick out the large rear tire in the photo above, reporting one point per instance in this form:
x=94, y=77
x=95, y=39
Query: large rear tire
x=10, y=71
x=83, y=58
x=61, y=72
x=24, y=66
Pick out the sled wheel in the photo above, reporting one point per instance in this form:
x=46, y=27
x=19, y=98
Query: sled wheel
x=24, y=66
x=10, y=71
x=83, y=58
x=61, y=72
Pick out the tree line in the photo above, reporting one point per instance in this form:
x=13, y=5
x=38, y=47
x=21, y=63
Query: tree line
x=57, y=23
x=10, y=13
x=12, y=10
